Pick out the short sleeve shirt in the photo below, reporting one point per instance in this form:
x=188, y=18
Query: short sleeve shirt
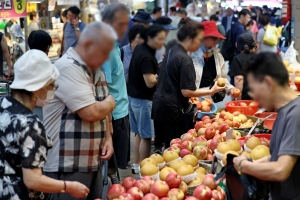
x=143, y=62
x=127, y=58
x=23, y=144
x=285, y=140
x=114, y=72
x=264, y=47
x=236, y=30
x=177, y=69
x=76, y=142
x=70, y=37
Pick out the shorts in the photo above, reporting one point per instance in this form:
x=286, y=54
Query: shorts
x=140, y=117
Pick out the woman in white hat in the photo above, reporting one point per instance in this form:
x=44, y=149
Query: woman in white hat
x=23, y=141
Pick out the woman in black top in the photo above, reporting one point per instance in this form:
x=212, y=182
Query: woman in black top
x=177, y=71
x=246, y=45
x=142, y=79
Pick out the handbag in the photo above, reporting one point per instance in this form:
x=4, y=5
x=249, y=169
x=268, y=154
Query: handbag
x=189, y=116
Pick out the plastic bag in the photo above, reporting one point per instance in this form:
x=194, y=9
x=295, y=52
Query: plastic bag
x=291, y=54
x=271, y=36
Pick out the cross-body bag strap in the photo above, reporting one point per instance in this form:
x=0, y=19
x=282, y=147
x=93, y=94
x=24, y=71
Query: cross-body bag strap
x=172, y=86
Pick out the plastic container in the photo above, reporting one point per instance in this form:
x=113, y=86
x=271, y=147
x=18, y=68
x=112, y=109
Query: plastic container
x=268, y=122
x=202, y=114
x=246, y=110
x=297, y=86
x=268, y=136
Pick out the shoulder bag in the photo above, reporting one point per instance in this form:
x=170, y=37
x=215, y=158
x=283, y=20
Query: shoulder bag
x=189, y=115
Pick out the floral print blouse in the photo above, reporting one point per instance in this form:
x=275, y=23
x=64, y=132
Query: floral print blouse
x=23, y=144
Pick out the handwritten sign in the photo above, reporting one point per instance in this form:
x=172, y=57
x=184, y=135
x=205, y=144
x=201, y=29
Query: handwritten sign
x=13, y=9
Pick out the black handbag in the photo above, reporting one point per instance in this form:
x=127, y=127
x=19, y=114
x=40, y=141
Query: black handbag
x=189, y=116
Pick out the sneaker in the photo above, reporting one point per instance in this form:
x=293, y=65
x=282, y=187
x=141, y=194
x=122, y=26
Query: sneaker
x=135, y=168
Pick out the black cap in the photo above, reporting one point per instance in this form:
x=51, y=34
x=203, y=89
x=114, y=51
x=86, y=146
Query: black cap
x=143, y=17
x=245, y=39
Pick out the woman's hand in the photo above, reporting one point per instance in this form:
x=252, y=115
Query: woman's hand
x=77, y=189
x=216, y=88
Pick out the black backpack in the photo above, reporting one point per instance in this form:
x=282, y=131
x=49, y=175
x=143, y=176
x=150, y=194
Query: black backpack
x=227, y=50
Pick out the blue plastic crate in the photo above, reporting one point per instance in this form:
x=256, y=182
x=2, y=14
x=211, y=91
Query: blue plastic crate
x=202, y=114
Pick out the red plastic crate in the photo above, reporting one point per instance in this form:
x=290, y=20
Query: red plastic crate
x=268, y=122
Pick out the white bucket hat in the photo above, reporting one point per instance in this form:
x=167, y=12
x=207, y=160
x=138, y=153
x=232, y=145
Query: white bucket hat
x=33, y=70
x=16, y=30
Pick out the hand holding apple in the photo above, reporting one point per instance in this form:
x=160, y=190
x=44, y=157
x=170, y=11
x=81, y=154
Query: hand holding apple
x=216, y=88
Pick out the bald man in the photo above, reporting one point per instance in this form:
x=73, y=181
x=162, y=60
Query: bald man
x=77, y=123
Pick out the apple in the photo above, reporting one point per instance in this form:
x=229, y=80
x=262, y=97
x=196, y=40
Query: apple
x=126, y=196
x=222, y=114
x=216, y=195
x=201, y=131
x=115, y=191
x=200, y=152
x=183, y=187
x=242, y=142
x=128, y=182
x=199, y=105
x=206, y=121
x=224, y=127
x=160, y=189
x=142, y=185
x=150, y=197
x=222, y=192
x=209, y=157
x=199, y=141
x=186, y=145
x=192, y=131
x=191, y=198
x=220, y=121
x=199, y=125
x=210, y=133
x=228, y=116
x=243, y=104
x=213, y=144
x=208, y=125
x=235, y=124
x=243, y=118
x=209, y=101
x=176, y=141
x=175, y=149
x=228, y=122
x=176, y=145
x=210, y=182
x=218, y=138
x=236, y=113
x=148, y=179
x=236, y=93
x=205, y=103
x=253, y=103
x=265, y=141
x=165, y=198
x=215, y=126
x=176, y=194
x=170, y=156
x=221, y=82
x=205, y=109
x=187, y=137
x=231, y=104
x=184, y=152
x=297, y=80
x=205, y=117
x=202, y=192
x=173, y=180
x=165, y=172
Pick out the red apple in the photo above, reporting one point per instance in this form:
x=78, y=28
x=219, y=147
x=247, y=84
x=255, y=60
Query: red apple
x=236, y=93
x=207, y=120
x=183, y=187
x=184, y=152
x=186, y=145
x=115, y=191
x=126, y=196
x=215, y=125
x=192, y=131
x=199, y=141
x=205, y=103
x=222, y=114
x=223, y=136
x=209, y=157
x=205, y=117
x=143, y=186
x=165, y=198
x=176, y=145
x=208, y=125
x=128, y=183
x=253, y=103
x=200, y=152
x=198, y=104
x=201, y=131
x=148, y=179
x=210, y=133
x=228, y=116
x=199, y=125
x=231, y=104
x=210, y=182
x=160, y=189
x=222, y=192
x=175, y=141
x=235, y=124
x=220, y=121
x=216, y=195
x=265, y=141
x=205, y=109
x=242, y=142
x=176, y=194
x=221, y=82
x=175, y=149
x=213, y=144
x=191, y=198
x=150, y=197
x=243, y=104
x=228, y=122
x=218, y=138
x=224, y=127
x=173, y=180
x=202, y=192
x=236, y=113
x=209, y=101
x=135, y=193
x=187, y=137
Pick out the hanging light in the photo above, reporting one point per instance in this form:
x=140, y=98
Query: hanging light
x=223, y=4
x=218, y=1
x=239, y=8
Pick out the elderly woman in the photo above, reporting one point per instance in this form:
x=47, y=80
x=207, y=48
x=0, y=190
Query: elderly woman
x=23, y=141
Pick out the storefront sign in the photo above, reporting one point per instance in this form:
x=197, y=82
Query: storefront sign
x=13, y=9
x=30, y=8
x=67, y=2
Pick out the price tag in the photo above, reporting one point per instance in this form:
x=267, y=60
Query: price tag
x=229, y=133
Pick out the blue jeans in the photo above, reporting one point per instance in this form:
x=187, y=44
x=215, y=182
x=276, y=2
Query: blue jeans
x=140, y=117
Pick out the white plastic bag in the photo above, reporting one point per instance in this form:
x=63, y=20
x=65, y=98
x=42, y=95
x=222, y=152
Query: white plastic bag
x=291, y=54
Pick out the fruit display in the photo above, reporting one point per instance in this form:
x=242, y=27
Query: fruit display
x=233, y=120
x=204, y=105
x=246, y=107
x=173, y=188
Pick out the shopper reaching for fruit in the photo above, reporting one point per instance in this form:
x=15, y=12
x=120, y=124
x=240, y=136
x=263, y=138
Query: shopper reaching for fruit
x=270, y=87
x=208, y=61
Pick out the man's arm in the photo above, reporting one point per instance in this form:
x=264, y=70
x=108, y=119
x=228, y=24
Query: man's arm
x=6, y=55
x=150, y=80
x=269, y=171
x=238, y=82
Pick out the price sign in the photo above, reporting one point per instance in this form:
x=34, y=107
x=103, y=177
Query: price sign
x=13, y=9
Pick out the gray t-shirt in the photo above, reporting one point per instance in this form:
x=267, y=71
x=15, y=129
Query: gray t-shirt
x=264, y=47
x=285, y=140
x=70, y=37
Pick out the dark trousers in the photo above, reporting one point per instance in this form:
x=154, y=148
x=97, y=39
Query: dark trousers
x=121, y=141
x=92, y=180
x=159, y=134
x=167, y=131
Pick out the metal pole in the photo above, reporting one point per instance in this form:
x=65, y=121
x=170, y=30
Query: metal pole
x=26, y=34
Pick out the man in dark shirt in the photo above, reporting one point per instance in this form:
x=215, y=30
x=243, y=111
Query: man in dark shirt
x=229, y=20
x=271, y=89
x=239, y=27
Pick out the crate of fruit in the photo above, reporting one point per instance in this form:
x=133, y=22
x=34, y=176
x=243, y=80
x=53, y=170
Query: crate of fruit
x=205, y=106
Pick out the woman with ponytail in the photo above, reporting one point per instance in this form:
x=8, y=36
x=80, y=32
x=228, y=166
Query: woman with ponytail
x=246, y=45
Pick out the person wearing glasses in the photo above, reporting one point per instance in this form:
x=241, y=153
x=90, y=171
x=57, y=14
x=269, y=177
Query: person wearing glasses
x=23, y=140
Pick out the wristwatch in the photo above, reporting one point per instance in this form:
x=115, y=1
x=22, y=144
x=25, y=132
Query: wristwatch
x=77, y=29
